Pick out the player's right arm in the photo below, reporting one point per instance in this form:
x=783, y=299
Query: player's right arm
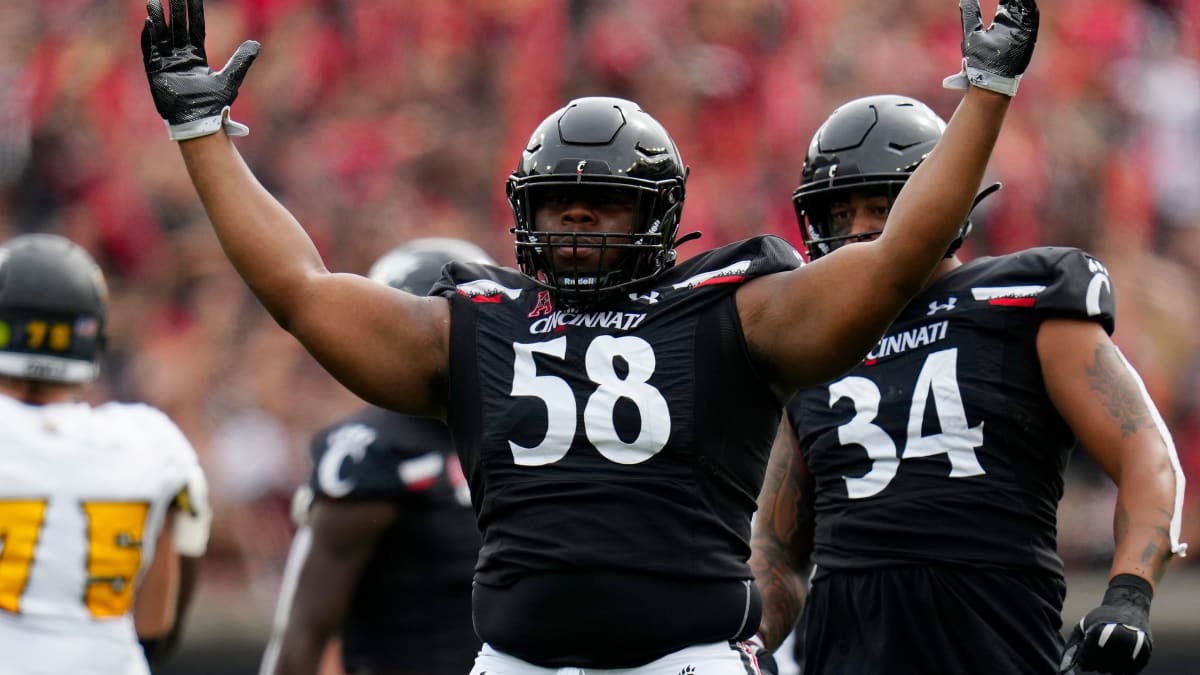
x=387, y=346
x=782, y=540
x=343, y=536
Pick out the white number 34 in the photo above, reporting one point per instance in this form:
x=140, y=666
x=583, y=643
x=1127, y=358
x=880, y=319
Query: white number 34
x=938, y=378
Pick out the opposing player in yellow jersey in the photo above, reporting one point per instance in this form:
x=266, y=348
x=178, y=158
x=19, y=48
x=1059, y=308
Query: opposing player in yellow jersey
x=98, y=505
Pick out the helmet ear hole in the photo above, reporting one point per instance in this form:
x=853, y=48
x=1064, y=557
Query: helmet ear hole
x=674, y=195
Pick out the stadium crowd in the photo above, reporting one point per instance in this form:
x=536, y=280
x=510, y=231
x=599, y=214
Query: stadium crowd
x=376, y=123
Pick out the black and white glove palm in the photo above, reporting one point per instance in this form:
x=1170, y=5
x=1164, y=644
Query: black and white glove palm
x=1114, y=637
x=192, y=98
x=994, y=59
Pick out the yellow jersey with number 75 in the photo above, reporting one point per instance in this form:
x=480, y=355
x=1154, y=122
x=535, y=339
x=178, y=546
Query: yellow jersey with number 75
x=84, y=492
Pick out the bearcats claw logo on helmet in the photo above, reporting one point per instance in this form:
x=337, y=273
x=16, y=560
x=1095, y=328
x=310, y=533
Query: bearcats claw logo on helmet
x=416, y=266
x=603, y=144
x=873, y=143
x=53, y=307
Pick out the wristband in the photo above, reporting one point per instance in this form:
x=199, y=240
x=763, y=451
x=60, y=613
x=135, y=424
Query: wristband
x=982, y=79
x=206, y=127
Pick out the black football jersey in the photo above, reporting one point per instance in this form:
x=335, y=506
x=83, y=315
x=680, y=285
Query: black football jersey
x=412, y=606
x=631, y=438
x=942, y=445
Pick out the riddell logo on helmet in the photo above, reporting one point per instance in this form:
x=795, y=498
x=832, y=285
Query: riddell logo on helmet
x=44, y=369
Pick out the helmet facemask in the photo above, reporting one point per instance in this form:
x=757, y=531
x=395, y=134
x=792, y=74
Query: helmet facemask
x=821, y=233
x=647, y=250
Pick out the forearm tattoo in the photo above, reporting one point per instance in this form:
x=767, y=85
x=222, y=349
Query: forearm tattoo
x=1110, y=379
x=781, y=552
x=1156, y=552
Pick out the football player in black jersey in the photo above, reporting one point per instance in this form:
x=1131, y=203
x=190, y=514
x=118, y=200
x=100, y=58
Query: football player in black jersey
x=613, y=410
x=923, y=485
x=384, y=555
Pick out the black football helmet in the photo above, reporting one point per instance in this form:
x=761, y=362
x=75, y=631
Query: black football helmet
x=53, y=307
x=416, y=266
x=871, y=143
x=603, y=144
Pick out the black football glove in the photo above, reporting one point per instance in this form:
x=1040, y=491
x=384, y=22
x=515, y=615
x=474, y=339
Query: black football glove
x=763, y=656
x=1114, y=637
x=995, y=58
x=192, y=98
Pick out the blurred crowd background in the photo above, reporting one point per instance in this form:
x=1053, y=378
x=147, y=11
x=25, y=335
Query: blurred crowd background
x=376, y=122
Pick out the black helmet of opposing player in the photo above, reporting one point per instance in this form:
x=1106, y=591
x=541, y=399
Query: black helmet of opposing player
x=871, y=144
x=610, y=146
x=416, y=266
x=53, y=306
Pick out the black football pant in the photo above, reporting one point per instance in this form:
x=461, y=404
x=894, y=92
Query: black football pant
x=932, y=620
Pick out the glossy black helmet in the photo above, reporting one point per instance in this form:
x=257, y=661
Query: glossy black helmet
x=603, y=144
x=53, y=307
x=416, y=266
x=871, y=143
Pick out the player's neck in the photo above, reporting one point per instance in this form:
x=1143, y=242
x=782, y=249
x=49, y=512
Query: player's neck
x=35, y=392
x=943, y=268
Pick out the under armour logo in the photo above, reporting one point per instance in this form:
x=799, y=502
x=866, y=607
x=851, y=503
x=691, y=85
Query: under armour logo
x=646, y=299
x=935, y=306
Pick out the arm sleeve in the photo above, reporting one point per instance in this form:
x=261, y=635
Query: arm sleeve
x=193, y=517
x=1078, y=286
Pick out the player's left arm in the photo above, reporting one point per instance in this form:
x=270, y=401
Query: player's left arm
x=1104, y=401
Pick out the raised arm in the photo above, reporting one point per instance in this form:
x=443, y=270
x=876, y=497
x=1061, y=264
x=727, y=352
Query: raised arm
x=782, y=539
x=815, y=322
x=1103, y=400
x=387, y=346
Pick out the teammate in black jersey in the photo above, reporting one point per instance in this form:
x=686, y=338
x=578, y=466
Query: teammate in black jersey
x=923, y=485
x=613, y=410
x=385, y=554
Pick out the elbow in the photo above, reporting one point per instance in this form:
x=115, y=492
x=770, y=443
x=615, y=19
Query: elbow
x=287, y=294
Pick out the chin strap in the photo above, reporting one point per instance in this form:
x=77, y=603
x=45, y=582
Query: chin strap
x=984, y=194
x=690, y=236
x=967, y=225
